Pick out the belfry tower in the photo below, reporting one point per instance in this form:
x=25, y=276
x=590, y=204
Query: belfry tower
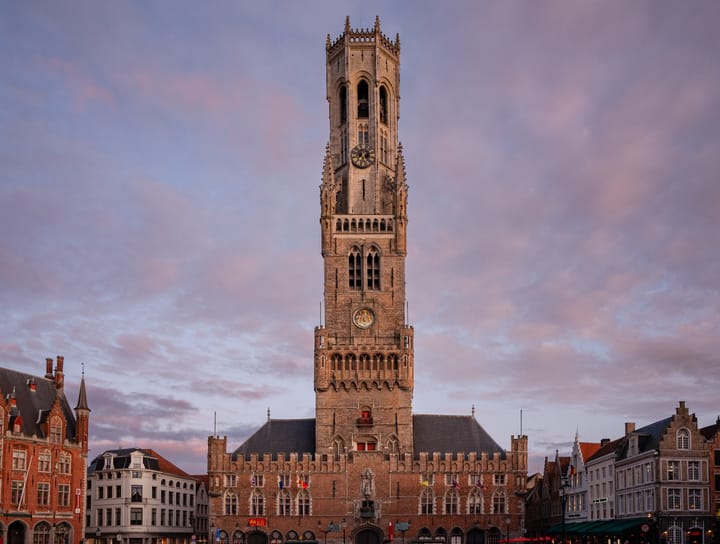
x=364, y=352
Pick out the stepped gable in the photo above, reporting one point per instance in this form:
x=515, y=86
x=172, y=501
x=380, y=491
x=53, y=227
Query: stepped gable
x=280, y=436
x=34, y=406
x=452, y=434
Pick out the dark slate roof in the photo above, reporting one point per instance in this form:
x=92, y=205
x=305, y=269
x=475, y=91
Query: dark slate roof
x=152, y=460
x=612, y=446
x=280, y=436
x=710, y=431
x=34, y=406
x=452, y=434
x=432, y=433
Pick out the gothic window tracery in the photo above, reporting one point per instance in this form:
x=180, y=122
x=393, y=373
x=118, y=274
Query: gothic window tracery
x=373, y=269
x=452, y=499
x=284, y=503
x=230, y=503
x=426, y=501
x=355, y=269
x=303, y=503
x=683, y=439
x=257, y=503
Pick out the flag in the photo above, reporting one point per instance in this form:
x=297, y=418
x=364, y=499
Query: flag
x=425, y=483
x=253, y=481
x=572, y=470
x=280, y=483
x=455, y=483
x=390, y=530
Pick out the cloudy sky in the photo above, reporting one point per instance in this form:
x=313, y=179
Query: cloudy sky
x=159, y=172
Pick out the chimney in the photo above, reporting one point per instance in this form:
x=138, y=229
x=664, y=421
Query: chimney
x=48, y=368
x=604, y=441
x=31, y=384
x=59, y=374
x=629, y=427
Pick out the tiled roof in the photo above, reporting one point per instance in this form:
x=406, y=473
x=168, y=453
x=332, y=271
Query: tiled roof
x=432, y=433
x=33, y=406
x=152, y=460
x=610, y=447
x=588, y=449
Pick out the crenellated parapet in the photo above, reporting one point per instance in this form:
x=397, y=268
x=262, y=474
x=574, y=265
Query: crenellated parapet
x=362, y=36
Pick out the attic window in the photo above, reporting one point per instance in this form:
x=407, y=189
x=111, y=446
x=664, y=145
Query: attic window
x=31, y=385
x=55, y=434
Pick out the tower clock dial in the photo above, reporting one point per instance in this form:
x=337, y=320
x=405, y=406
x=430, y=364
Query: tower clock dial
x=362, y=155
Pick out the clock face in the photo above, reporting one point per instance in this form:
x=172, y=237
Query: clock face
x=363, y=318
x=362, y=155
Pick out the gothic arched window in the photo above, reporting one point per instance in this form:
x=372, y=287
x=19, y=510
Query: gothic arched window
x=362, y=98
x=499, y=503
x=303, y=503
x=474, y=502
x=284, y=503
x=342, y=97
x=383, y=105
x=355, y=269
x=452, y=499
x=41, y=533
x=373, y=270
x=230, y=503
x=426, y=502
x=257, y=503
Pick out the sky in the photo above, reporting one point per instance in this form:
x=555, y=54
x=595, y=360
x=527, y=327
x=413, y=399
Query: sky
x=159, y=211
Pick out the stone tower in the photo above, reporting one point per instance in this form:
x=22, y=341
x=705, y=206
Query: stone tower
x=364, y=352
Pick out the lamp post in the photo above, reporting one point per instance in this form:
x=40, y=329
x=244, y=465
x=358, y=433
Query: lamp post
x=563, y=503
x=324, y=531
x=98, y=534
x=507, y=533
x=343, y=524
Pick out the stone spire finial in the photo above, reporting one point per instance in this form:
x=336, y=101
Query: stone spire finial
x=347, y=23
x=377, y=24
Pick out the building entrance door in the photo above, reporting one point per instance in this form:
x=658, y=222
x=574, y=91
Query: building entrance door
x=16, y=533
x=475, y=536
x=366, y=536
x=257, y=538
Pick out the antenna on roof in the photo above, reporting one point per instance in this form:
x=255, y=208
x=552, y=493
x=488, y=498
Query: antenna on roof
x=215, y=424
x=473, y=410
x=268, y=413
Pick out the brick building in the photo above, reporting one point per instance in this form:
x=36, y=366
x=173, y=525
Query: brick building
x=366, y=468
x=43, y=454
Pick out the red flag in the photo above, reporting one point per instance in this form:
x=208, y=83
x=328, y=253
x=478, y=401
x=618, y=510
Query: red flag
x=390, y=530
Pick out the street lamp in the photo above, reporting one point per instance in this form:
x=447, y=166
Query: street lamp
x=507, y=533
x=324, y=531
x=343, y=524
x=98, y=534
x=563, y=502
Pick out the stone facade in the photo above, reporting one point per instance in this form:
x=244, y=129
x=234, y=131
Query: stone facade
x=365, y=469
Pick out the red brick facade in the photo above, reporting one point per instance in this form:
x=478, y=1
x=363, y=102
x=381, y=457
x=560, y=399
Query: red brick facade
x=43, y=449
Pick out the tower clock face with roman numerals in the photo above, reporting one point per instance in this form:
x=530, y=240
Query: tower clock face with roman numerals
x=362, y=155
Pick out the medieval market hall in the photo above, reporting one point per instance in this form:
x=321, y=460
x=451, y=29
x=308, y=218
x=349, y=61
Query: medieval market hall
x=366, y=469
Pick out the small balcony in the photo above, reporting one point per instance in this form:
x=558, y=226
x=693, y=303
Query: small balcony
x=364, y=422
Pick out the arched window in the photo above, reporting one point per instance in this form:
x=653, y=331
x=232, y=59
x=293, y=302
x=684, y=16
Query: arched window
x=41, y=533
x=424, y=534
x=362, y=98
x=62, y=534
x=338, y=447
x=365, y=443
x=303, y=503
x=276, y=537
x=383, y=105
x=44, y=461
x=499, y=502
x=373, y=270
x=683, y=439
x=257, y=503
x=426, y=502
x=393, y=445
x=456, y=536
x=284, y=503
x=355, y=269
x=230, y=503
x=238, y=537
x=342, y=97
x=452, y=499
x=475, y=502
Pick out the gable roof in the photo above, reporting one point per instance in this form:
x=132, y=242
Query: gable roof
x=431, y=433
x=588, y=449
x=33, y=406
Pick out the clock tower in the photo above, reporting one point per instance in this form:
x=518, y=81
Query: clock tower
x=364, y=351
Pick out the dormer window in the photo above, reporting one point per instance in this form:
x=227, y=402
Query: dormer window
x=55, y=434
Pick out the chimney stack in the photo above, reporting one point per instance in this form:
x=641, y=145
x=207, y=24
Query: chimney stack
x=629, y=427
x=49, y=368
x=59, y=374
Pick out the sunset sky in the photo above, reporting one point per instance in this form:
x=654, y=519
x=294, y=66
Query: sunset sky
x=159, y=211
